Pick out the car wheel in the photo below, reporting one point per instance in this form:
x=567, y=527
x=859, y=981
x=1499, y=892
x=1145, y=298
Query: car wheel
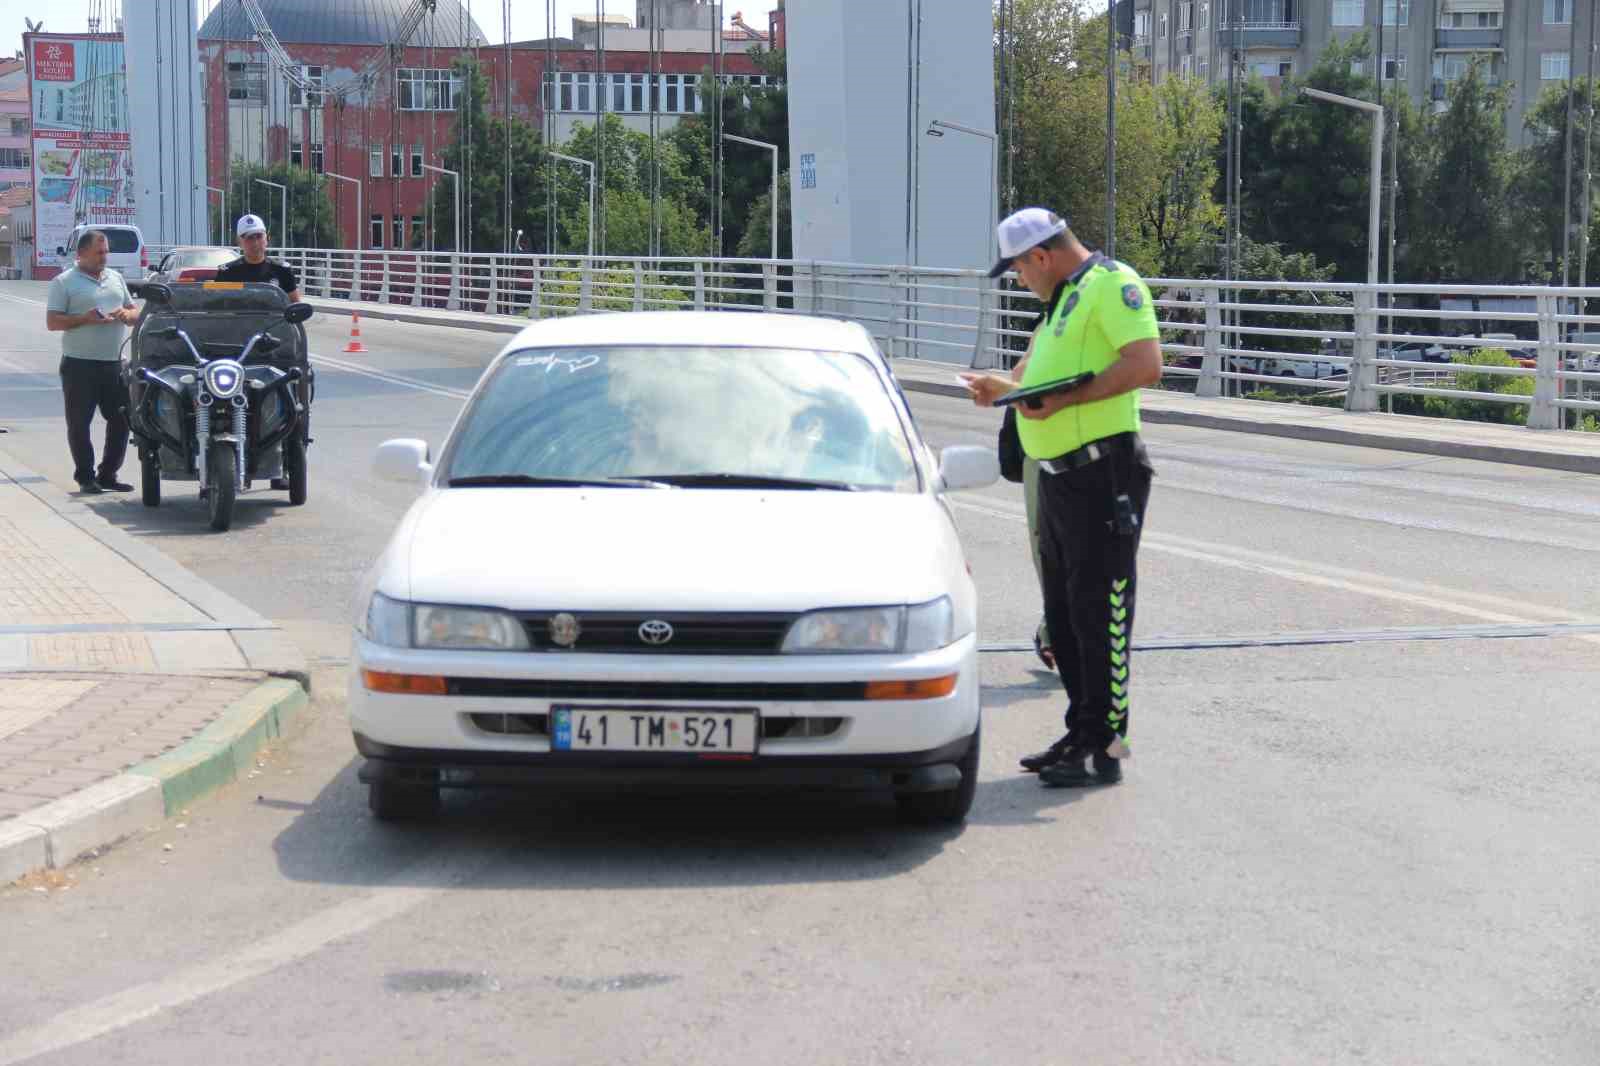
x=294, y=470
x=150, y=479
x=945, y=808
x=396, y=801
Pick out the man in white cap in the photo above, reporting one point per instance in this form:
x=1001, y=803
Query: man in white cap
x=1097, y=345
x=253, y=264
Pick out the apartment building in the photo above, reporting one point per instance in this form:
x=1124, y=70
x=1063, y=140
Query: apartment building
x=1426, y=43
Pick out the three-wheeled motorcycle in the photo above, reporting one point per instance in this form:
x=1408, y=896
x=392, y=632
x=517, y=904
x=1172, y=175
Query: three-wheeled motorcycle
x=220, y=387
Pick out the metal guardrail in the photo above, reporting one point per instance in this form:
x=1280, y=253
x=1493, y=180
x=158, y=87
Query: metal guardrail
x=1218, y=336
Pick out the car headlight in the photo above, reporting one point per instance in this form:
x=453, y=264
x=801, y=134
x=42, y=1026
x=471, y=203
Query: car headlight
x=420, y=625
x=881, y=630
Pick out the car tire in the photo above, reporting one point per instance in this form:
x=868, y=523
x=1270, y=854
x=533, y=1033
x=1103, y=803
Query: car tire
x=224, y=477
x=945, y=808
x=150, y=479
x=294, y=470
x=396, y=801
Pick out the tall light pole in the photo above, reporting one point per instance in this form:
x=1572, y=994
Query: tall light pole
x=583, y=163
x=361, y=219
x=457, y=176
x=222, y=214
x=1376, y=180
x=936, y=128
x=774, y=150
x=283, y=201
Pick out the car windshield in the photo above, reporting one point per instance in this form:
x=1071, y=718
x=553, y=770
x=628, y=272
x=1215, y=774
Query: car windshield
x=712, y=417
x=121, y=241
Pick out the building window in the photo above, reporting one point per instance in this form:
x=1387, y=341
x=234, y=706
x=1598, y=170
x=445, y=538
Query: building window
x=396, y=162
x=1469, y=20
x=691, y=94
x=247, y=81
x=1141, y=25
x=1349, y=12
x=377, y=231
x=14, y=158
x=1554, y=66
x=21, y=127
x=316, y=156
x=416, y=160
x=1558, y=13
x=375, y=161
x=1163, y=25
x=672, y=81
x=1205, y=14
x=619, y=92
x=420, y=89
x=1453, y=65
x=297, y=154
x=1275, y=68
x=1394, y=68
x=399, y=240
x=636, y=93
x=1397, y=12
x=312, y=97
x=417, y=232
x=1185, y=18
x=1205, y=69
x=566, y=92
x=1186, y=66
x=587, y=100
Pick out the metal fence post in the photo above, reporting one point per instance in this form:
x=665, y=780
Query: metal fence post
x=416, y=278
x=585, y=289
x=982, y=331
x=491, y=303
x=813, y=287
x=1363, y=374
x=699, y=285
x=1544, y=414
x=454, y=301
x=1210, y=383
x=638, y=285
x=535, y=289
x=769, y=281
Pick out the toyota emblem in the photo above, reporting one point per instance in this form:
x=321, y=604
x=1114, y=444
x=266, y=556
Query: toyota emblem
x=656, y=632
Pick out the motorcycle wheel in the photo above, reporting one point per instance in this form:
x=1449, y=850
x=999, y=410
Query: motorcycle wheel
x=150, y=480
x=294, y=470
x=223, y=474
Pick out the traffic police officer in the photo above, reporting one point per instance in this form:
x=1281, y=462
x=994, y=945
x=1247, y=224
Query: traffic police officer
x=1094, y=478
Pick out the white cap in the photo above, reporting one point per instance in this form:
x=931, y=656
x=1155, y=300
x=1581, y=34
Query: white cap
x=1026, y=229
x=249, y=224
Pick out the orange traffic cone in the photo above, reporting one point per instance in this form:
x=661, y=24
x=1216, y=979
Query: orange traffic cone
x=355, y=344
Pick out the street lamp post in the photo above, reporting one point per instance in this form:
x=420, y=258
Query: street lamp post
x=222, y=213
x=360, y=218
x=455, y=274
x=936, y=128
x=1376, y=180
x=774, y=150
x=590, y=164
x=283, y=202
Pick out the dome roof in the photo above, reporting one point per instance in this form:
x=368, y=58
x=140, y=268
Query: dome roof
x=371, y=22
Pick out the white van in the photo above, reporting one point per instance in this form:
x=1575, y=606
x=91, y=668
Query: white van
x=129, y=256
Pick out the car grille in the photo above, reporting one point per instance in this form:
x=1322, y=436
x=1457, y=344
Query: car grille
x=662, y=691
x=772, y=727
x=692, y=634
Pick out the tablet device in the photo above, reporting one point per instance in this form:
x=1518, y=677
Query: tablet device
x=1034, y=393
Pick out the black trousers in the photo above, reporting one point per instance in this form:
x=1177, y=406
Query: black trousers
x=88, y=385
x=1090, y=578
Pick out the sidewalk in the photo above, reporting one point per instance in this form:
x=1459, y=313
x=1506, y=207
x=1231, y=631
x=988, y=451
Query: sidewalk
x=128, y=686
x=1551, y=450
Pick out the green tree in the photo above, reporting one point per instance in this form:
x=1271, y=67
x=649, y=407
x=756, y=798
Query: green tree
x=1270, y=263
x=626, y=170
x=1467, y=231
x=1540, y=169
x=757, y=240
x=310, y=204
x=1183, y=216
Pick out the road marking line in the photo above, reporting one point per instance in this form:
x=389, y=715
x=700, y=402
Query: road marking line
x=393, y=379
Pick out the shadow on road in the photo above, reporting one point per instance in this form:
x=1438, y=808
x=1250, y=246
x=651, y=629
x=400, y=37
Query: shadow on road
x=181, y=513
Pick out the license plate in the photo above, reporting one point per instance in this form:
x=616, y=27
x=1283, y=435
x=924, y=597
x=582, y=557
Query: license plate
x=705, y=732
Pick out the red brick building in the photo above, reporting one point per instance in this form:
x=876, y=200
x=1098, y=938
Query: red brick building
x=384, y=137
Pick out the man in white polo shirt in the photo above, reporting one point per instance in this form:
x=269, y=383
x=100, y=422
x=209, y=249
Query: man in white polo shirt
x=90, y=306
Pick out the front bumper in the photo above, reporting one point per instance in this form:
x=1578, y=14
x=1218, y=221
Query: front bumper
x=904, y=745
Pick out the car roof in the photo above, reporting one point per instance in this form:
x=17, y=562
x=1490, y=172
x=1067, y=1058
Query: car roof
x=108, y=225
x=742, y=329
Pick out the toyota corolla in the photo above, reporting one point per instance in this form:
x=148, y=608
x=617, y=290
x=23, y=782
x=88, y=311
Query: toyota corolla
x=676, y=550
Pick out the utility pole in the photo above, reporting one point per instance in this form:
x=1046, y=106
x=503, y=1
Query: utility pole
x=1566, y=187
x=1111, y=128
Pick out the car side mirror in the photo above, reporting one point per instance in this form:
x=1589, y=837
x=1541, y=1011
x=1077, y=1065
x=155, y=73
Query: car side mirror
x=964, y=466
x=156, y=293
x=298, y=313
x=407, y=461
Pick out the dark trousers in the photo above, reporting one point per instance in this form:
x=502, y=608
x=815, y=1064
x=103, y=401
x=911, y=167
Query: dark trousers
x=1090, y=579
x=88, y=385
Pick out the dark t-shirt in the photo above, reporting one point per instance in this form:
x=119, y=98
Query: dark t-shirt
x=268, y=270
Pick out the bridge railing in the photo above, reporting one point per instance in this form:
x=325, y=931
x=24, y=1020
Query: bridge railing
x=1325, y=343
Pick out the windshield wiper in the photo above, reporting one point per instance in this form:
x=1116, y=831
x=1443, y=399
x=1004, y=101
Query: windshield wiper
x=749, y=481
x=529, y=481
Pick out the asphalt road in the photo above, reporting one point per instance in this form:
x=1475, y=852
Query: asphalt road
x=1372, y=842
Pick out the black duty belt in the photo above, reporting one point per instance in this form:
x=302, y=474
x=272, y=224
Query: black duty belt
x=1092, y=452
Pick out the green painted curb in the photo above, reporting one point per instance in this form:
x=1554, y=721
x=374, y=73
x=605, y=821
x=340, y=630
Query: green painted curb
x=226, y=747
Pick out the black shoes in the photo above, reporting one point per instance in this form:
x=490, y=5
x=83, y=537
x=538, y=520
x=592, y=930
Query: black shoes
x=111, y=484
x=1048, y=757
x=1071, y=769
x=90, y=488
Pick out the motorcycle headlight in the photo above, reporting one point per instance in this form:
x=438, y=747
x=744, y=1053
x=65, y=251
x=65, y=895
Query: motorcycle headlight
x=224, y=379
x=397, y=624
x=880, y=630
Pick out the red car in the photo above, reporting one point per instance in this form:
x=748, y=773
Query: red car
x=191, y=264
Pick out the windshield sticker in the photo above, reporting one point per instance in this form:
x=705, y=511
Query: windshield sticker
x=551, y=362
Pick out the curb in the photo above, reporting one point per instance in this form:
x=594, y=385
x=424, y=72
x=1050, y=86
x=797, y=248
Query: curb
x=492, y=325
x=56, y=834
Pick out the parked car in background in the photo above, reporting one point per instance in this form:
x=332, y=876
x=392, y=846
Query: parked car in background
x=128, y=255
x=191, y=264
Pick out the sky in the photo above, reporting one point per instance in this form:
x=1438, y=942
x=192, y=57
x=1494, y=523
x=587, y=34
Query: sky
x=527, y=16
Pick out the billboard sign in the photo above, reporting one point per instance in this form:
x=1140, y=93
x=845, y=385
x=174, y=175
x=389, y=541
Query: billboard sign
x=82, y=165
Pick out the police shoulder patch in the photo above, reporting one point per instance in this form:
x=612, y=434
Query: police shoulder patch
x=1132, y=297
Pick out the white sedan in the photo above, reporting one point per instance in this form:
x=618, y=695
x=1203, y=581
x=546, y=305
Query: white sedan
x=675, y=550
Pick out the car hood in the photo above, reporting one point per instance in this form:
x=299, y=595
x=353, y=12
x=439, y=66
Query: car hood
x=673, y=549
